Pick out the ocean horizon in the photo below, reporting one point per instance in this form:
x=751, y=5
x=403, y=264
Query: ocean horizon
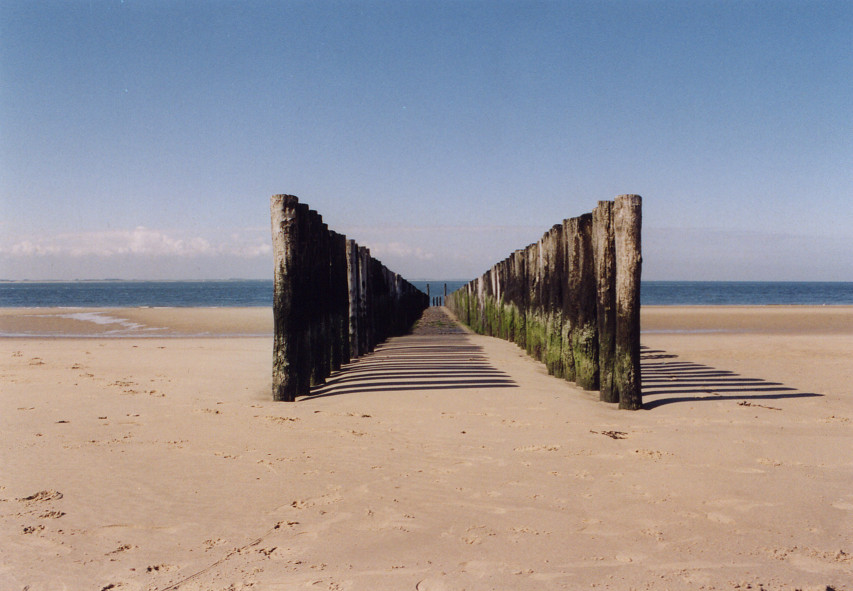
x=259, y=293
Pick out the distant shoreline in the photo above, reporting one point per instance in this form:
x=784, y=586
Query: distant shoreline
x=257, y=322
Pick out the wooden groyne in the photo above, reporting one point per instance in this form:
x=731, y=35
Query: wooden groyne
x=571, y=300
x=332, y=301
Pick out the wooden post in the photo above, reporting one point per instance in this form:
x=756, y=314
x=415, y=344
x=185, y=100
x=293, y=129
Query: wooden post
x=301, y=288
x=627, y=224
x=604, y=257
x=283, y=214
x=363, y=297
x=570, y=296
x=534, y=317
x=319, y=262
x=552, y=299
x=340, y=310
x=519, y=295
x=585, y=333
x=353, y=295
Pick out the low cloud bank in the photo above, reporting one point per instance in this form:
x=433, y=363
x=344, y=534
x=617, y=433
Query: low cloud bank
x=416, y=252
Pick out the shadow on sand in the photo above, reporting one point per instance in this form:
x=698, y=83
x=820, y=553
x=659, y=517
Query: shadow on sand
x=445, y=362
x=667, y=380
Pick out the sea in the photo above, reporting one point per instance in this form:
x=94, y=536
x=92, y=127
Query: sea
x=252, y=293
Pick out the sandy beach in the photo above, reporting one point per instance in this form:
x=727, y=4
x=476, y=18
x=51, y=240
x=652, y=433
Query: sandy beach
x=141, y=450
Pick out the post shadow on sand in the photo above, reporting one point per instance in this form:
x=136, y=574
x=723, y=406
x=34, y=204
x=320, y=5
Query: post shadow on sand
x=418, y=363
x=667, y=380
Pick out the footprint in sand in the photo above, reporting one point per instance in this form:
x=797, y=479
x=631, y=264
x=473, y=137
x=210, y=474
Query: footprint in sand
x=43, y=495
x=431, y=584
x=280, y=420
x=475, y=534
x=555, y=447
x=213, y=543
x=122, y=548
x=31, y=529
x=52, y=515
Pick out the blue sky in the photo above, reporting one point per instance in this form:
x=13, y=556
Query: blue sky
x=144, y=139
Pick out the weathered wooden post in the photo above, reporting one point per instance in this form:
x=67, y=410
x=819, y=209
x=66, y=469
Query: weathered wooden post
x=517, y=292
x=365, y=330
x=571, y=296
x=283, y=213
x=604, y=258
x=300, y=283
x=533, y=340
x=319, y=262
x=627, y=224
x=353, y=295
x=552, y=299
x=585, y=333
x=340, y=313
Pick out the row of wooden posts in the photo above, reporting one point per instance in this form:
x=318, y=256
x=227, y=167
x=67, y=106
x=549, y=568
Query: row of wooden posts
x=332, y=301
x=571, y=300
x=436, y=300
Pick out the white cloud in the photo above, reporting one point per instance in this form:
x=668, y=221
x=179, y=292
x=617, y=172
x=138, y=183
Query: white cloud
x=400, y=250
x=140, y=241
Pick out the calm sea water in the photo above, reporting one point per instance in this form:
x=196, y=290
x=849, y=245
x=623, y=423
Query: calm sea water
x=745, y=293
x=120, y=294
x=130, y=294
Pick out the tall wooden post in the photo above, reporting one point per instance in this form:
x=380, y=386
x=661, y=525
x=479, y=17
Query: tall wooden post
x=552, y=299
x=518, y=281
x=353, y=289
x=627, y=224
x=283, y=214
x=571, y=295
x=604, y=258
x=340, y=299
x=319, y=262
x=585, y=335
x=534, y=317
x=363, y=320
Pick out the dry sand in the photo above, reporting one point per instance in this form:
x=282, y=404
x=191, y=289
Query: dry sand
x=443, y=461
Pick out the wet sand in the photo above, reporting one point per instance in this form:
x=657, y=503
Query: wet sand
x=442, y=461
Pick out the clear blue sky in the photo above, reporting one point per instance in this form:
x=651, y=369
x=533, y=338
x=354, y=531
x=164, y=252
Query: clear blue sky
x=144, y=139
